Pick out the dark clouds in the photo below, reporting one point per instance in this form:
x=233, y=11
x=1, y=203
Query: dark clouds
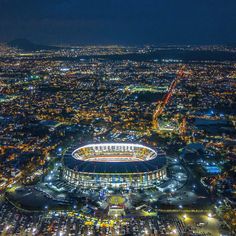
x=119, y=21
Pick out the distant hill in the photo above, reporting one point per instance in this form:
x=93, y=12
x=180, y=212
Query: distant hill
x=27, y=45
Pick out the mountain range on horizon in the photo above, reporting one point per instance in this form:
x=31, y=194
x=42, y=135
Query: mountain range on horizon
x=27, y=45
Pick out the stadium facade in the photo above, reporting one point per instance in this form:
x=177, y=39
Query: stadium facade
x=117, y=165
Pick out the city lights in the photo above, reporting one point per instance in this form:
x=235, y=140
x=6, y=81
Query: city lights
x=117, y=140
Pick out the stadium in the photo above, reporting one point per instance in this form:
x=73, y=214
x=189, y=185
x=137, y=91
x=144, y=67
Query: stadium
x=116, y=165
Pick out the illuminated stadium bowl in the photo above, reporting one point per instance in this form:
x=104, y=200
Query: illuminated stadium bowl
x=114, y=165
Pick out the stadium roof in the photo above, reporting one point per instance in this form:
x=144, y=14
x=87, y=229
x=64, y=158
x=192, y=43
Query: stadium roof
x=114, y=167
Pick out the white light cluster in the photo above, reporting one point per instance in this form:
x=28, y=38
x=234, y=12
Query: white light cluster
x=109, y=147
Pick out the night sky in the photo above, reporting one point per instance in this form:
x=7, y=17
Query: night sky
x=119, y=21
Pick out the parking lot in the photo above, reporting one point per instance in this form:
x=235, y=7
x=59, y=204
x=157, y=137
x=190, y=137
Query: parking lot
x=15, y=222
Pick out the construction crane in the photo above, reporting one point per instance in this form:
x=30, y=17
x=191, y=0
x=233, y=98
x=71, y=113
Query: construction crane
x=161, y=104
